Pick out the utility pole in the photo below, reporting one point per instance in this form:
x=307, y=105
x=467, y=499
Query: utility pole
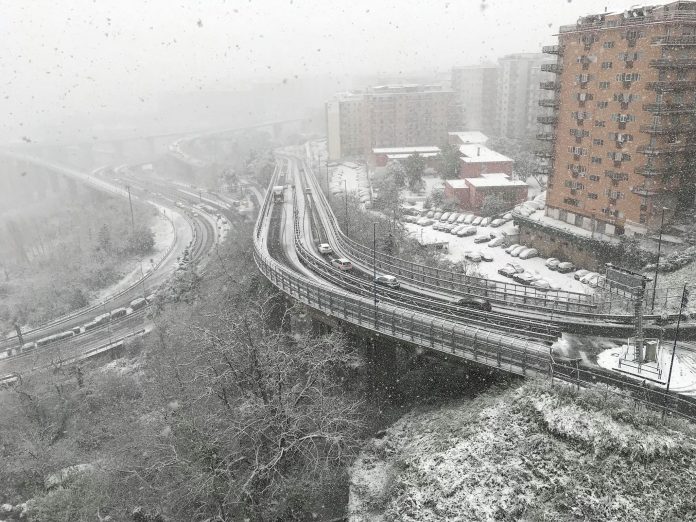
x=657, y=263
x=130, y=202
x=374, y=261
x=328, y=189
x=676, y=334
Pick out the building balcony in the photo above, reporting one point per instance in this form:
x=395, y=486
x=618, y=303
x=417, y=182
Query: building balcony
x=547, y=120
x=550, y=86
x=675, y=40
x=678, y=63
x=670, y=108
x=552, y=49
x=546, y=136
x=670, y=86
x=544, y=154
x=654, y=171
x=672, y=128
x=643, y=190
x=552, y=68
x=552, y=103
x=544, y=170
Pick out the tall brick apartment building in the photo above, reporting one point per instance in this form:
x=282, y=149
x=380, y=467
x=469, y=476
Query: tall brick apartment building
x=621, y=130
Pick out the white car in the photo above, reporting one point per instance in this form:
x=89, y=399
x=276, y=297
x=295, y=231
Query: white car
x=474, y=257
x=477, y=221
x=461, y=218
x=453, y=217
x=483, y=238
x=485, y=256
x=511, y=248
x=529, y=253
x=342, y=263
x=541, y=284
x=496, y=241
x=468, y=230
x=497, y=223
x=325, y=248
x=507, y=217
x=456, y=229
x=552, y=263
x=469, y=219
x=517, y=251
x=485, y=222
x=445, y=216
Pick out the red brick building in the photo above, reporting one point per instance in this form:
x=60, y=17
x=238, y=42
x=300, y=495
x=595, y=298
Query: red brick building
x=477, y=160
x=470, y=193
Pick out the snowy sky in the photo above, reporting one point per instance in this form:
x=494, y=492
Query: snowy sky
x=65, y=56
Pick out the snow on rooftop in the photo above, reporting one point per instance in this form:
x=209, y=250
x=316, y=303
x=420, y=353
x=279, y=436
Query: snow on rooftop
x=495, y=181
x=406, y=150
x=457, y=183
x=404, y=156
x=469, y=137
x=477, y=153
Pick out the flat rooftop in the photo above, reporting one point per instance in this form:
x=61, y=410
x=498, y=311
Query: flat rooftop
x=495, y=181
x=479, y=153
x=407, y=150
x=469, y=137
x=457, y=183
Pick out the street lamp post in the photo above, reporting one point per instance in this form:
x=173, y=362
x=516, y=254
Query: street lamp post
x=328, y=190
x=657, y=264
x=374, y=261
x=676, y=337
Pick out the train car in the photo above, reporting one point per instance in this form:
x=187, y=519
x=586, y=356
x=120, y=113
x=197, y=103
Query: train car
x=137, y=304
x=90, y=326
x=28, y=346
x=77, y=330
x=118, y=312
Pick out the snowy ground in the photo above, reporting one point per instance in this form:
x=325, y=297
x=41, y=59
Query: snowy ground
x=350, y=176
x=683, y=378
x=459, y=246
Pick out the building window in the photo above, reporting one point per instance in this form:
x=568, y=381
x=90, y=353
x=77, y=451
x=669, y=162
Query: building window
x=606, y=65
x=602, y=104
x=603, y=85
x=599, y=123
x=597, y=141
x=595, y=159
x=593, y=177
x=608, y=45
x=591, y=195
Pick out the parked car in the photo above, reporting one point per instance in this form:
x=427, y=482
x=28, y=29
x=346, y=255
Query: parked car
x=541, y=284
x=387, y=280
x=552, y=263
x=511, y=248
x=453, y=217
x=482, y=238
x=477, y=221
x=461, y=218
x=469, y=219
x=325, y=248
x=524, y=278
x=474, y=302
x=507, y=271
x=430, y=214
x=565, y=267
x=516, y=267
x=485, y=222
x=474, y=257
x=447, y=227
x=485, y=256
x=445, y=216
x=437, y=216
x=342, y=263
x=456, y=229
x=590, y=279
x=467, y=231
x=497, y=223
x=529, y=253
x=580, y=274
x=496, y=241
x=507, y=217
x=517, y=251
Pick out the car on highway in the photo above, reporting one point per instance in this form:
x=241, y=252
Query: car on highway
x=468, y=230
x=474, y=302
x=580, y=274
x=511, y=247
x=496, y=241
x=387, y=280
x=524, y=278
x=482, y=238
x=529, y=253
x=477, y=221
x=325, y=248
x=485, y=256
x=342, y=263
x=497, y=223
x=552, y=263
x=507, y=271
x=474, y=257
x=565, y=267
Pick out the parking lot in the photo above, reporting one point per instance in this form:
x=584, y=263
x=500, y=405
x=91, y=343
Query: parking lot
x=460, y=246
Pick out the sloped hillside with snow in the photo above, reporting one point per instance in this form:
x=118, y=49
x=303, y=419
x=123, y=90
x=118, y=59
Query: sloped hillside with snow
x=529, y=452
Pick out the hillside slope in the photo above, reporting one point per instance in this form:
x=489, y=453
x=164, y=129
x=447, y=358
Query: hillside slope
x=528, y=453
